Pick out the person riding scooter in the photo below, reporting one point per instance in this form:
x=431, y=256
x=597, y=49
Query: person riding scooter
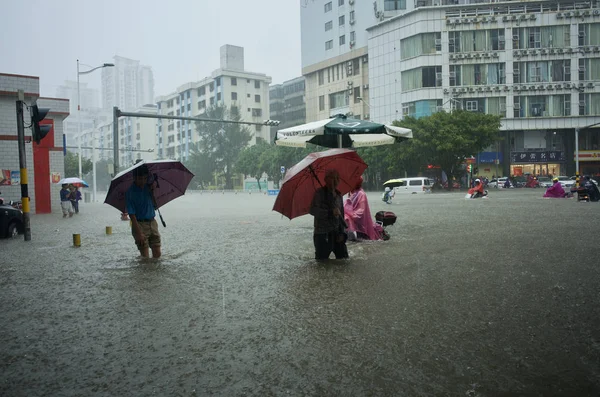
x=556, y=190
x=477, y=190
x=591, y=188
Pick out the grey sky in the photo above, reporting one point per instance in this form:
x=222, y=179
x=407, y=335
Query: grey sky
x=179, y=39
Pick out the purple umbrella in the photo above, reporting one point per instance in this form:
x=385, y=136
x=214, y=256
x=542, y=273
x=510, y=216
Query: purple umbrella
x=172, y=178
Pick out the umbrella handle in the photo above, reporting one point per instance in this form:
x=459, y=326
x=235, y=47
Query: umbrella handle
x=314, y=175
x=161, y=218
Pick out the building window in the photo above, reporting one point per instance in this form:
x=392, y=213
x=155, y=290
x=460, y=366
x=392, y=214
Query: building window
x=353, y=36
x=392, y=5
x=257, y=98
x=429, y=76
x=233, y=81
x=212, y=100
x=342, y=20
x=189, y=106
x=137, y=136
x=234, y=96
x=201, y=104
x=455, y=75
x=328, y=45
x=256, y=112
x=137, y=126
x=328, y=7
x=218, y=96
x=340, y=2
x=328, y=25
x=356, y=94
x=321, y=102
x=211, y=87
x=321, y=77
x=338, y=99
x=356, y=66
x=257, y=84
x=342, y=39
x=420, y=44
x=201, y=91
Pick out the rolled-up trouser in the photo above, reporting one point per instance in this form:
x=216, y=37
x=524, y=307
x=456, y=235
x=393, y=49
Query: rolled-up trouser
x=325, y=243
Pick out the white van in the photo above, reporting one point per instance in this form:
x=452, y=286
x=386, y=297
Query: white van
x=414, y=185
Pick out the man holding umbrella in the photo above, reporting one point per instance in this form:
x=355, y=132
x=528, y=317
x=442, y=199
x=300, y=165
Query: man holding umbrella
x=328, y=209
x=140, y=206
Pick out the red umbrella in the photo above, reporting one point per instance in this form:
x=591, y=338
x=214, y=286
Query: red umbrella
x=303, y=179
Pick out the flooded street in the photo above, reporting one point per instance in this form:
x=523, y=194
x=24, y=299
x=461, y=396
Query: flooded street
x=468, y=298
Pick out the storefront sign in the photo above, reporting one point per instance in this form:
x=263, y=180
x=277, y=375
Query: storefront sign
x=588, y=155
x=489, y=157
x=537, y=157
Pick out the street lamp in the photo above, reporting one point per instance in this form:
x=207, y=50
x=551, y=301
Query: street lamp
x=105, y=65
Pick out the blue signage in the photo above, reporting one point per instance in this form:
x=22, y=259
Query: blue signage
x=489, y=157
x=274, y=192
x=538, y=157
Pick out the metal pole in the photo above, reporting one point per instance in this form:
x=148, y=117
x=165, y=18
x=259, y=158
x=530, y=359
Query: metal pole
x=94, y=161
x=23, y=166
x=577, y=153
x=116, y=139
x=79, y=121
x=497, y=161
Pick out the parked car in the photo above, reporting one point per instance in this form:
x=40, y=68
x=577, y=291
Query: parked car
x=11, y=221
x=545, y=182
x=566, y=182
x=501, y=181
x=581, y=178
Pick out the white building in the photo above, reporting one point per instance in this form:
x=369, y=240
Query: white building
x=137, y=139
x=286, y=104
x=536, y=64
x=128, y=85
x=334, y=53
x=45, y=161
x=230, y=85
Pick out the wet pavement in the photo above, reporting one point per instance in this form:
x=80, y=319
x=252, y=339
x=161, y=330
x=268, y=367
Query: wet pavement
x=496, y=297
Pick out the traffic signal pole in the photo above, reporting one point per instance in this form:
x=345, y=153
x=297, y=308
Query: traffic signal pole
x=23, y=165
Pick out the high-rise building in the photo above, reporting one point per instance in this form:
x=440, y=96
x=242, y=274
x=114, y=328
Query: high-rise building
x=128, y=85
x=286, y=104
x=230, y=85
x=535, y=64
x=334, y=54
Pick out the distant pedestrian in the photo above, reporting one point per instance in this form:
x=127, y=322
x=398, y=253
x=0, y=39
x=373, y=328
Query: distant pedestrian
x=329, y=227
x=65, y=201
x=140, y=207
x=75, y=197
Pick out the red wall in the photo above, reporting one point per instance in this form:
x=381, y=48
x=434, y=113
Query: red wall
x=41, y=169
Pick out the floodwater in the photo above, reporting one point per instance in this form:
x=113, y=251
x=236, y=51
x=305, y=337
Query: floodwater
x=496, y=297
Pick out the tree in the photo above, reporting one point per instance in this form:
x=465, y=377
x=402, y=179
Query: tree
x=251, y=161
x=201, y=165
x=222, y=143
x=72, y=165
x=446, y=139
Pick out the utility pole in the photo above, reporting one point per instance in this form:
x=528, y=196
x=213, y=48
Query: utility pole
x=23, y=165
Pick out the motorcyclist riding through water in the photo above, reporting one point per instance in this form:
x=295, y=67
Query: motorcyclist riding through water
x=477, y=190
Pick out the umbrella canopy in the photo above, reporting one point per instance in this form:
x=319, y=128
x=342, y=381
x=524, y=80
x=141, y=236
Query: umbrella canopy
x=303, y=179
x=393, y=183
x=172, y=179
x=343, y=131
x=74, y=181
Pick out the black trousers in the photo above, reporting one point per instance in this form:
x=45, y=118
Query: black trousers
x=326, y=243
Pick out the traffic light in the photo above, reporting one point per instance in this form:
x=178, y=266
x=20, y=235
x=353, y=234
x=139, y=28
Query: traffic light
x=468, y=167
x=271, y=122
x=38, y=132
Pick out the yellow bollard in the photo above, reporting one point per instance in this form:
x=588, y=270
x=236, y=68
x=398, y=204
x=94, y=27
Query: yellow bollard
x=77, y=240
x=108, y=229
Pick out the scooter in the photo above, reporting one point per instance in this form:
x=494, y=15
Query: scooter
x=477, y=195
x=15, y=204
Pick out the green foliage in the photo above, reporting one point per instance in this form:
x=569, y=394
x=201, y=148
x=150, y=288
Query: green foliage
x=251, y=161
x=222, y=143
x=72, y=165
x=446, y=139
x=201, y=165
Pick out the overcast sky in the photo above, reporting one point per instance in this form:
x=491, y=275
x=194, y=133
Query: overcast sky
x=179, y=39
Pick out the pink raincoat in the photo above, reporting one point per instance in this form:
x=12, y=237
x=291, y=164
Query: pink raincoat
x=358, y=215
x=555, y=191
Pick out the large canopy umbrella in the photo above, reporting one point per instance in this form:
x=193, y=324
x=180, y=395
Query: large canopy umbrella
x=342, y=132
x=303, y=179
x=171, y=177
x=393, y=183
x=73, y=181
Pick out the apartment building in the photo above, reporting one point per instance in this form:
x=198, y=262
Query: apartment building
x=230, y=85
x=334, y=54
x=534, y=63
x=286, y=104
x=128, y=85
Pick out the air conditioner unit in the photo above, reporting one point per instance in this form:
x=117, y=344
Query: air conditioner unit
x=517, y=88
x=567, y=85
x=476, y=55
x=495, y=55
x=550, y=87
x=454, y=90
x=352, y=22
x=590, y=85
x=471, y=89
x=544, y=51
x=541, y=87
x=468, y=55
x=596, y=49
x=487, y=88
x=480, y=89
x=463, y=89
x=465, y=20
x=522, y=17
x=484, y=19
x=451, y=56
x=506, y=88
x=438, y=41
x=576, y=13
x=559, y=50
x=517, y=106
x=452, y=75
x=505, y=18
x=568, y=14
x=365, y=87
x=350, y=83
x=532, y=16
x=596, y=12
x=588, y=49
x=456, y=21
x=517, y=54
x=532, y=88
x=445, y=90
x=558, y=86
x=586, y=13
x=449, y=21
x=349, y=63
x=582, y=103
x=515, y=18
x=492, y=19
x=365, y=59
x=559, y=14
x=351, y=2
x=581, y=85
x=551, y=50
x=352, y=44
x=497, y=88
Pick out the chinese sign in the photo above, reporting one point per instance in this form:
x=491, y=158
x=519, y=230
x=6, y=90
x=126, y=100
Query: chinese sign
x=537, y=157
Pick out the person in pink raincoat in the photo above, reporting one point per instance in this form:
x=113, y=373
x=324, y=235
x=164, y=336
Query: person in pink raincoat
x=556, y=190
x=358, y=215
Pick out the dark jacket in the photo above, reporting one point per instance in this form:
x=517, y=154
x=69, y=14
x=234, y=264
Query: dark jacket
x=322, y=207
